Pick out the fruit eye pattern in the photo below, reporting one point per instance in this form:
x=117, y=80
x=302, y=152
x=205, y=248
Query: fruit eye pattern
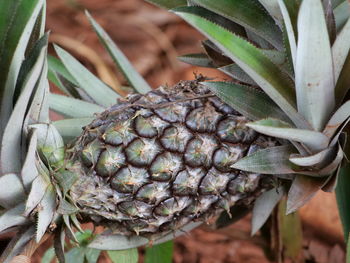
x=154, y=162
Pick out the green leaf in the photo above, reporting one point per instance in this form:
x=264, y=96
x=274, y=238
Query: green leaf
x=314, y=77
x=343, y=198
x=13, y=217
x=234, y=71
x=17, y=20
x=75, y=255
x=316, y=141
x=250, y=102
x=29, y=171
x=56, y=65
x=70, y=129
x=273, y=8
x=94, y=87
x=50, y=144
x=11, y=196
x=59, y=242
x=46, y=212
x=338, y=118
x=302, y=190
x=66, y=179
x=124, y=256
x=48, y=255
x=162, y=253
x=199, y=60
x=248, y=14
x=341, y=14
x=135, y=80
x=73, y=108
x=272, y=160
x=263, y=207
x=316, y=159
x=290, y=228
x=10, y=155
x=251, y=59
x=168, y=4
x=36, y=194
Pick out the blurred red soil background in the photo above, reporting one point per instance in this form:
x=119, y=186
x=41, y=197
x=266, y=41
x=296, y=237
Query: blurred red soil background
x=152, y=38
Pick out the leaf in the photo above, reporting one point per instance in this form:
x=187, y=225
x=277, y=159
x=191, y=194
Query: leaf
x=29, y=171
x=48, y=255
x=263, y=207
x=120, y=242
x=46, y=212
x=272, y=160
x=123, y=256
x=12, y=217
x=94, y=87
x=199, y=60
x=168, y=4
x=132, y=76
x=265, y=73
x=73, y=108
x=341, y=14
x=291, y=233
x=17, y=244
x=248, y=14
x=302, y=190
x=338, y=118
x=75, y=255
x=234, y=71
x=250, y=102
x=273, y=8
x=36, y=194
x=92, y=255
x=66, y=179
x=11, y=196
x=314, y=77
x=50, y=144
x=10, y=155
x=58, y=67
x=70, y=129
x=330, y=20
x=319, y=158
x=17, y=20
x=162, y=253
x=59, y=241
x=316, y=141
x=343, y=198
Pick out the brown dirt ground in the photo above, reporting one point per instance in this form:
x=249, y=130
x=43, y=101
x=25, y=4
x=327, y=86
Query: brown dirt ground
x=152, y=38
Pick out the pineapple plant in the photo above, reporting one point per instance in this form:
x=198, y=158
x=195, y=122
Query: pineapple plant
x=159, y=162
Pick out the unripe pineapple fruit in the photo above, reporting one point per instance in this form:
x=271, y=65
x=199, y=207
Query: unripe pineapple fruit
x=155, y=162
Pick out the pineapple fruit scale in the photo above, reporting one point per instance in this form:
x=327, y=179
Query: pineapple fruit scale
x=154, y=162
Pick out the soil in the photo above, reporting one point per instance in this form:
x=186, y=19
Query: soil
x=152, y=39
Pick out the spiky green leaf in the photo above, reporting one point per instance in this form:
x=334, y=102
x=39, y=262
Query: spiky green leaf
x=237, y=73
x=341, y=14
x=36, y=194
x=199, y=60
x=12, y=191
x=338, y=118
x=265, y=73
x=319, y=158
x=272, y=160
x=73, y=108
x=135, y=80
x=93, y=86
x=273, y=127
x=70, y=129
x=263, y=207
x=29, y=170
x=13, y=217
x=314, y=76
x=249, y=101
x=249, y=14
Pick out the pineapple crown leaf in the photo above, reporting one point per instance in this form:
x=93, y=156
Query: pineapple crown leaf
x=70, y=129
x=314, y=77
x=265, y=73
x=9, y=197
x=341, y=14
x=263, y=207
x=11, y=144
x=73, y=108
x=197, y=59
x=249, y=14
x=101, y=93
x=273, y=8
x=272, y=160
x=13, y=217
x=168, y=4
x=249, y=101
x=19, y=30
x=136, y=81
x=237, y=73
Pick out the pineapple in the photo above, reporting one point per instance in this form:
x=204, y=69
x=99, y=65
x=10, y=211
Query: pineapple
x=157, y=163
